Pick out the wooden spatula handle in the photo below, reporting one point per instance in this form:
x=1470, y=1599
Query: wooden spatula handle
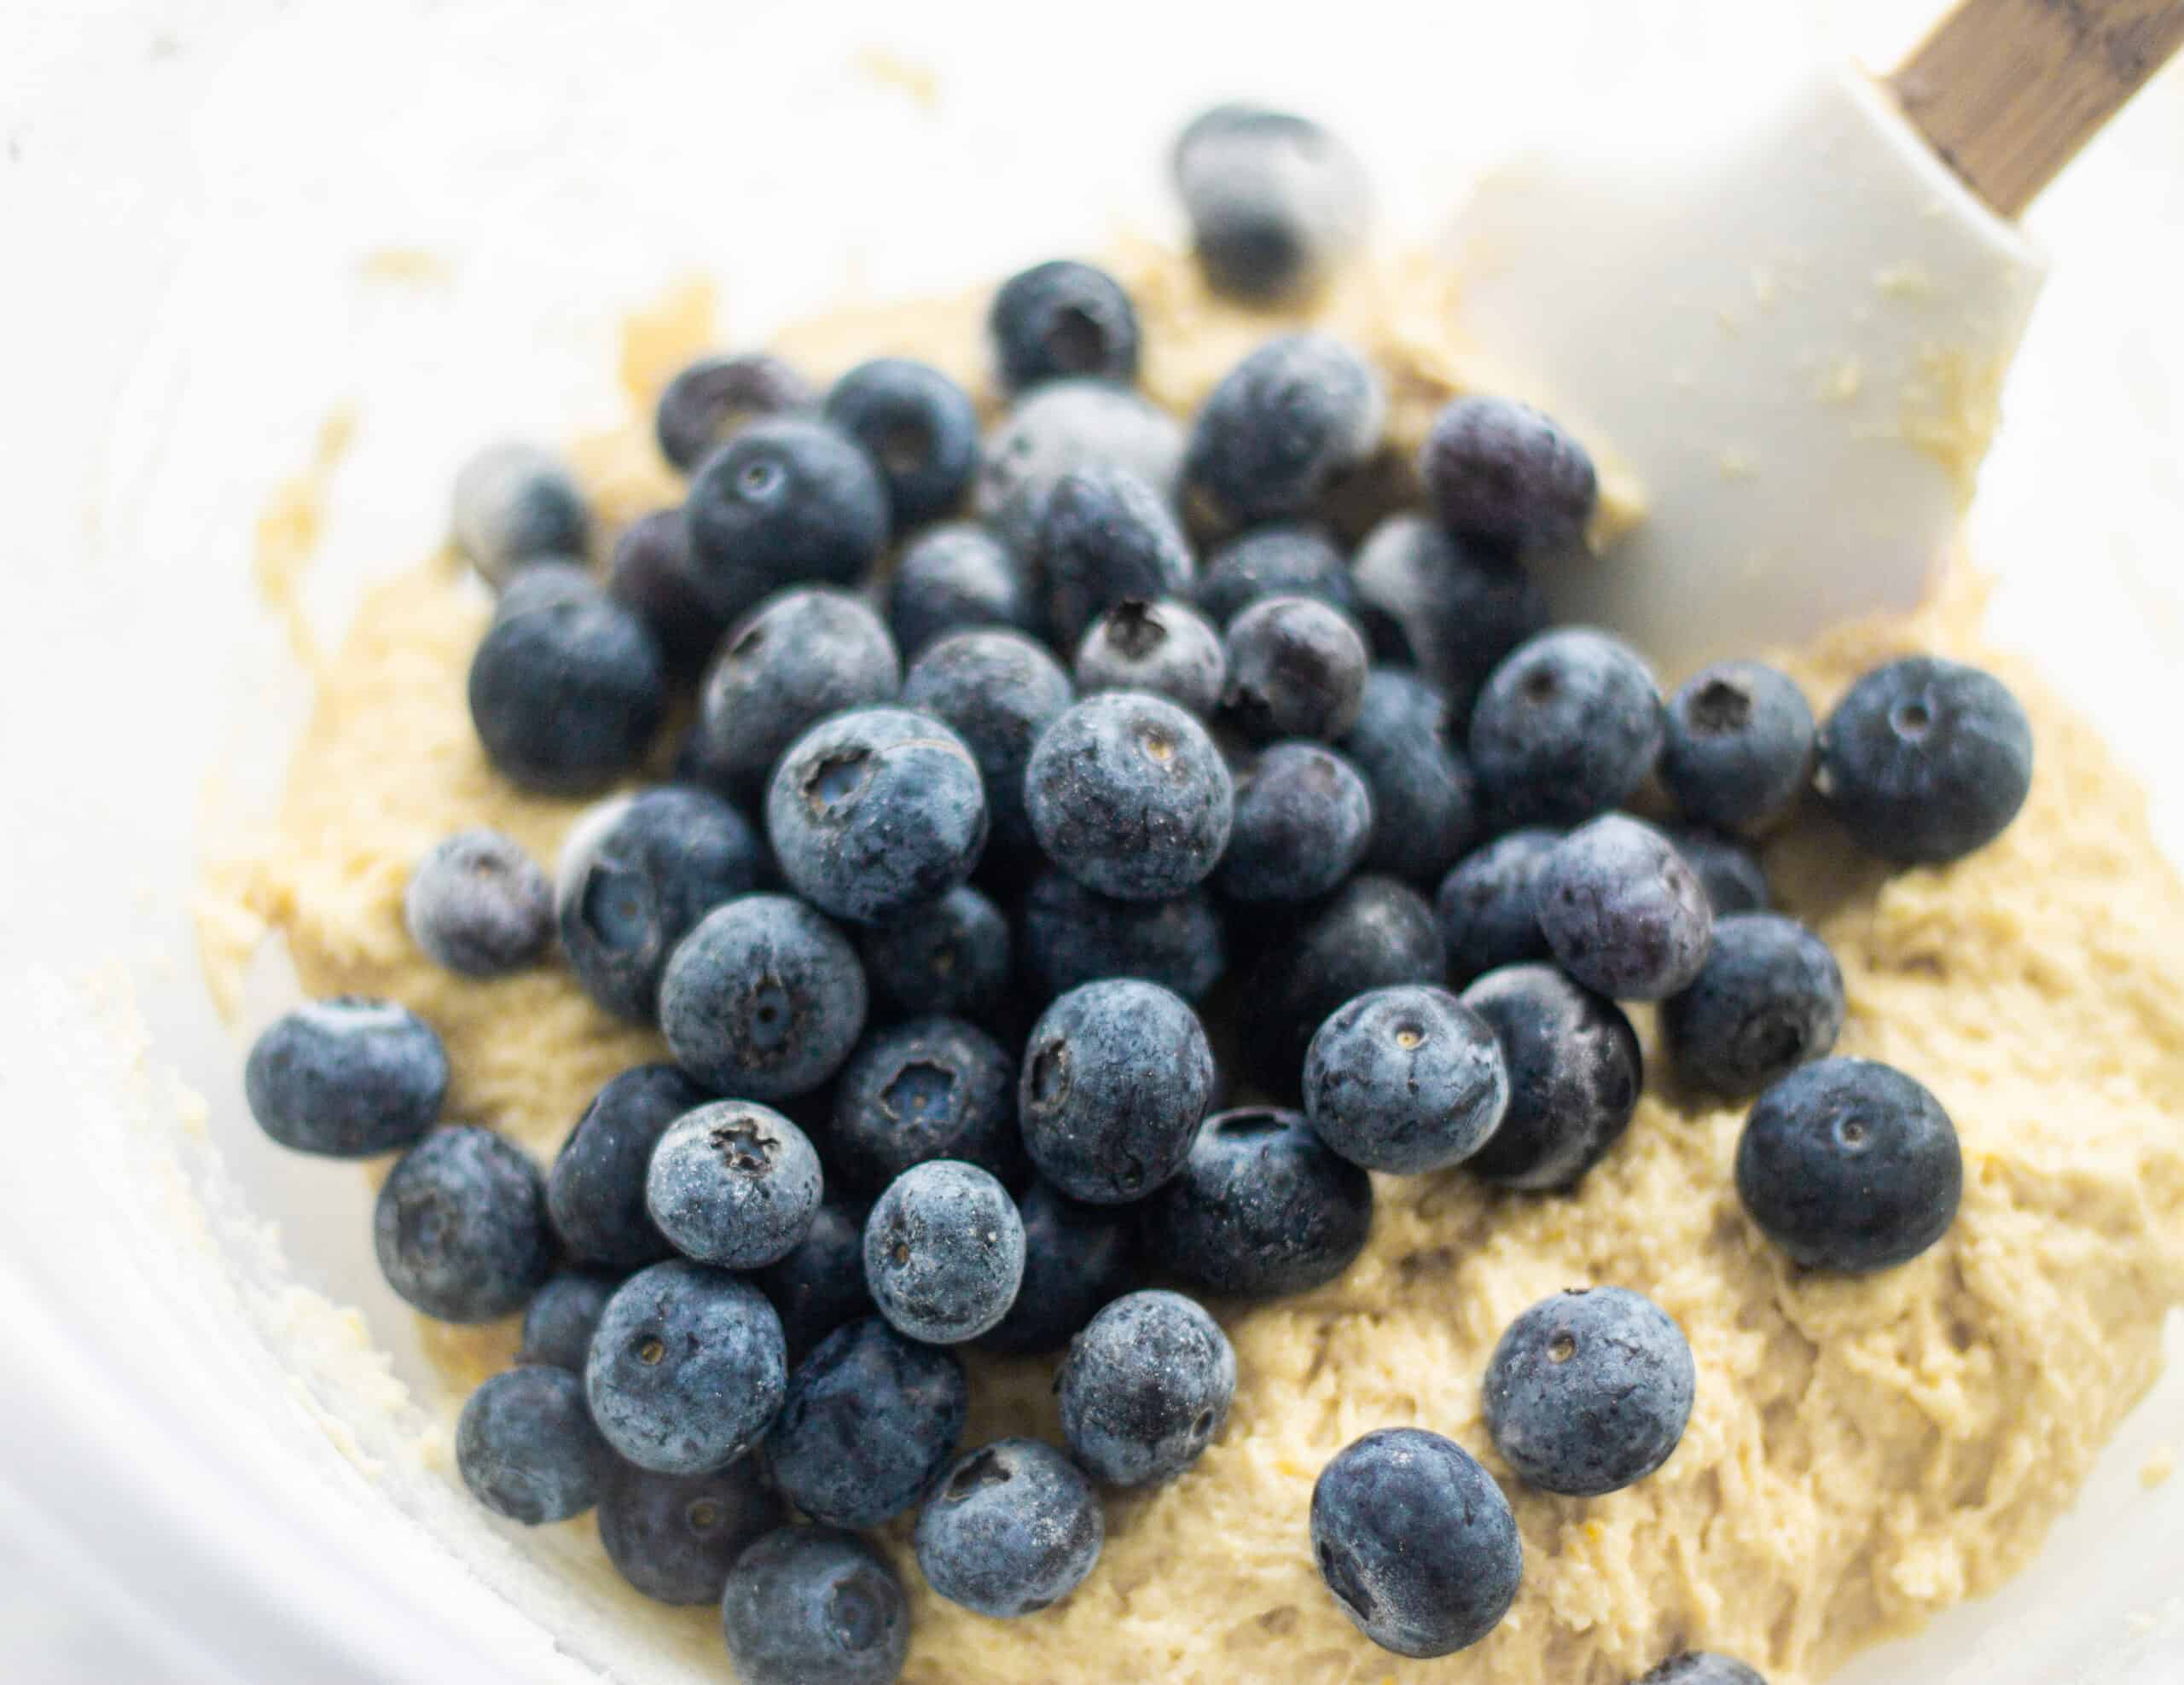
x=2009, y=91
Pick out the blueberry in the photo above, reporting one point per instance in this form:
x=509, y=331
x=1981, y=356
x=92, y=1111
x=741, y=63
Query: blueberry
x=1145, y=1388
x=1128, y=796
x=809, y=1605
x=1701, y=1667
x=1275, y=201
x=1768, y=998
x=515, y=505
x=876, y=813
x=1415, y=1541
x=636, y=874
x=1280, y=430
x=820, y=1285
x=1303, y=820
x=543, y=584
x=797, y=657
x=1622, y=912
x=1074, y=935
x=1372, y=933
x=870, y=1420
x=1263, y=1209
x=1064, y=425
x=595, y=1191
x=764, y=998
x=955, y=576
x=1425, y=799
x=944, y=1252
x=1574, y=1076
x=651, y=575
x=1589, y=1391
x=1486, y=905
x=673, y=1536
x=1405, y=1080
x=1162, y=647
x=1104, y=535
x=567, y=688
x=1501, y=475
x=1061, y=318
x=558, y=1324
x=785, y=501
x=1117, y=1074
x=1923, y=761
x=918, y=425
x=1449, y=608
x=998, y=691
x=1565, y=727
x=708, y=401
x=733, y=1183
x=1077, y=1257
x=460, y=1227
x=1295, y=669
x=1849, y=1165
x=347, y=1078
x=1729, y=873
x=952, y=957
x=1285, y=559
x=477, y=904
x=931, y=1088
x=526, y=1446
x=1014, y=1528
x=687, y=1369
x=1739, y=747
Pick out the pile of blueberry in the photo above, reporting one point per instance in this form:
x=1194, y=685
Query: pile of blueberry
x=1057, y=902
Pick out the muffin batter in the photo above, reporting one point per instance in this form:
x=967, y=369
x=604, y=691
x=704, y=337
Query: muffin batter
x=1863, y=1452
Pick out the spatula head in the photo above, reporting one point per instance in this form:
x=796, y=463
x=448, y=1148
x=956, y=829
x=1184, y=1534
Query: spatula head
x=1791, y=325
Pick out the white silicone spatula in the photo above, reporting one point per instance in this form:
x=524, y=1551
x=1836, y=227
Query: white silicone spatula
x=1791, y=321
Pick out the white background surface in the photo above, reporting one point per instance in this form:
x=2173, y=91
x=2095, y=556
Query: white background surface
x=189, y=191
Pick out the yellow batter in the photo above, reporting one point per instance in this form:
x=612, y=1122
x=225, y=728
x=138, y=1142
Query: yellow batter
x=1863, y=1452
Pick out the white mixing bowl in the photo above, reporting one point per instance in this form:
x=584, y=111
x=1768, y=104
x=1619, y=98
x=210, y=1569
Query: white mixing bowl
x=199, y=1467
